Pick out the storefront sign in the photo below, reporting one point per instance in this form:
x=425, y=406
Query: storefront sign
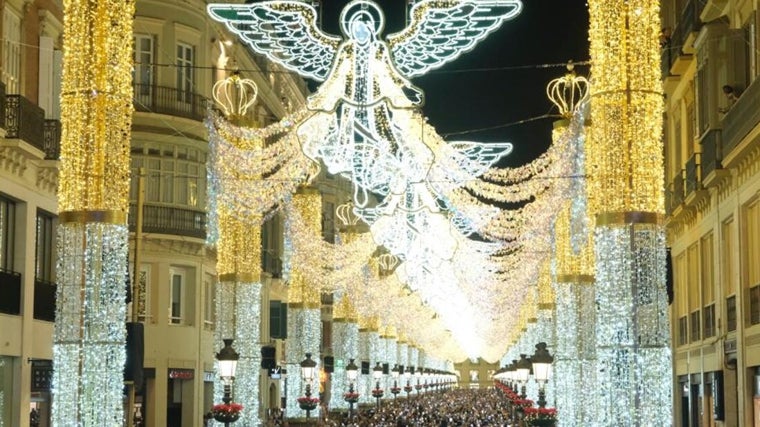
x=42, y=375
x=181, y=374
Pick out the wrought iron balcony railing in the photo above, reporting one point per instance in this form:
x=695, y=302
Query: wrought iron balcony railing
x=170, y=220
x=170, y=101
x=712, y=154
x=44, y=300
x=743, y=116
x=693, y=176
x=10, y=292
x=52, y=139
x=24, y=120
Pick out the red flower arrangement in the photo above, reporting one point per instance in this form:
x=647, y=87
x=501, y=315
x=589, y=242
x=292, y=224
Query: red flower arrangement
x=303, y=400
x=408, y=388
x=227, y=409
x=549, y=414
x=525, y=403
x=377, y=392
x=395, y=390
x=351, y=397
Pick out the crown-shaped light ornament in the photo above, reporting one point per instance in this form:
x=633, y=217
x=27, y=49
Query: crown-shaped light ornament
x=235, y=95
x=346, y=215
x=387, y=263
x=568, y=92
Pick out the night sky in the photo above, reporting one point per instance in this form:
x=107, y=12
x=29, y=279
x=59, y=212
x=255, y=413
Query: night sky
x=503, y=80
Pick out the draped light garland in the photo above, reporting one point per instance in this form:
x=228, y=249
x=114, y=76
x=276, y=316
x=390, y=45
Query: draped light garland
x=363, y=124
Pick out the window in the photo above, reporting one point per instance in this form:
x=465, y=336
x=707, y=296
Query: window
x=7, y=233
x=731, y=313
x=693, y=266
x=176, y=177
x=143, y=293
x=727, y=249
x=752, y=254
x=185, y=82
x=278, y=319
x=44, y=261
x=143, y=68
x=209, y=313
x=708, y=315
x=11, y=51
x=177, y=296
x=694, y=326
x=707, y=263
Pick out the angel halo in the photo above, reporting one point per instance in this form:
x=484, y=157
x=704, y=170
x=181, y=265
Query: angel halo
x=364, y=120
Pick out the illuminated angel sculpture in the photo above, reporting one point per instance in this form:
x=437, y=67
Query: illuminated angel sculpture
x=364, y=121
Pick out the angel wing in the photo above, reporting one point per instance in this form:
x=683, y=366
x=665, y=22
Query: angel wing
x=441, y=30
x=476, y=157
x=284, y=31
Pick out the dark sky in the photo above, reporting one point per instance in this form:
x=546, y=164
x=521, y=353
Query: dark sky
x=502, y=80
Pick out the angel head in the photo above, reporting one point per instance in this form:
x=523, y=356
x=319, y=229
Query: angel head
x=362, y=21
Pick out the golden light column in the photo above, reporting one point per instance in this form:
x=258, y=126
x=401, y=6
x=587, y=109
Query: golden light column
x=238, y=291
x=633, y=384
x=345, y=331
x=96, y=115
x=304, y=302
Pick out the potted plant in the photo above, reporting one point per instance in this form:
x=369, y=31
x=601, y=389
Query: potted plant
x=226, y=412
x=377, y=392
x=542, y=417
x=308, y=403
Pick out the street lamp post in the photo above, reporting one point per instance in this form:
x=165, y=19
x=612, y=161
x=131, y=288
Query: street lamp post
x=227, y=358
x=377, y=374
x=522, y=373
x=395, y=373
x=352, y=372
x=308, y=366
x=407, y=375
x=542, y=369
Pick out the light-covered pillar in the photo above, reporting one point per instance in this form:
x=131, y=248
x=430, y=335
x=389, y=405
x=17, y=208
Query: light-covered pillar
x=626, y=174
x=238, y=308
x=304, y=316
x=96, y=116
x=345, y=347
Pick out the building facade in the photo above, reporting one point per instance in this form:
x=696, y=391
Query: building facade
x=712, y=155
x=179, y=54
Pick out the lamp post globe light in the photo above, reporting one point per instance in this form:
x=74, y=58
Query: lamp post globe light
x=522, y=373
x=227, y=359
x=395, y=372
x=542, y=370
x=377, y=374
x=308, y=366
x=352, y=373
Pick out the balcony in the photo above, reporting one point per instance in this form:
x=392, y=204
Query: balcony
x=675, y=194
x=24, y=120
x=169, y=220
x=739, y=121
x=10, y=292
x=51, y=139
x=169, y=101
x=712, y=158
x=693, y=184
x=2, y=104
x=44, y=300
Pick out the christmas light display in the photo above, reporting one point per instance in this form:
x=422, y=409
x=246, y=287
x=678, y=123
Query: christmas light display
x=364, y=123
x=96, y=111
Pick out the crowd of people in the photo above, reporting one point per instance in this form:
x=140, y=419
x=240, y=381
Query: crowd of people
x=459, y=407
